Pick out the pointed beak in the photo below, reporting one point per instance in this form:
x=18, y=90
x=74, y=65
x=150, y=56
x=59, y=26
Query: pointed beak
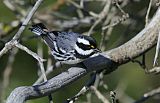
x=97, y=50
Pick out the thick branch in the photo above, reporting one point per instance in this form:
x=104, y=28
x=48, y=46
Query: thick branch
x=144, y=41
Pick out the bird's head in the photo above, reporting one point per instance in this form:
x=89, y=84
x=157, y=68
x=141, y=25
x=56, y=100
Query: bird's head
x=86, y=46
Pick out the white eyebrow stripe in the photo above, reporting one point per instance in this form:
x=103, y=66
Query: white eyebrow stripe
x=82, y=40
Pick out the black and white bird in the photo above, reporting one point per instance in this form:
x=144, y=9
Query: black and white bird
x=67, y=47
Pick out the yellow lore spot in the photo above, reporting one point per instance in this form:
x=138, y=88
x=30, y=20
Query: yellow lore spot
x=92, y=46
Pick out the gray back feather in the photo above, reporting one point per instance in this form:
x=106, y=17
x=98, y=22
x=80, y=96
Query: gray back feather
x=66, y=40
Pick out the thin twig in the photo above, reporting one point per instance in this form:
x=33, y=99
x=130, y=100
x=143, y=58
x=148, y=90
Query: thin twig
x=148, y=95
x=38, y=58
x=119, y=7
x=47, y=72
x=105, y=34
x=148, y=11
x=84, y=88
x=102, y=15
x=82, y=8
x=82, y=3
x=11, y=43
x=7, y=47
x=80, y=93
x=155, y=70
x=40, y=54
x=40, y=61
x=9, y=5
x=99, y=95
x=12, y=5
x=123, y=18
x=27, y=19
x=157, y=50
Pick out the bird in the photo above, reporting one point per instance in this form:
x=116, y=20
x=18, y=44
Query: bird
x=67, y=47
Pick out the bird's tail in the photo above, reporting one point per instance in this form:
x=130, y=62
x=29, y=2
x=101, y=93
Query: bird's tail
x=42, y=31
x=39, y=29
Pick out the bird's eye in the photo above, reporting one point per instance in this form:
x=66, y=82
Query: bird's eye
x=83, y=46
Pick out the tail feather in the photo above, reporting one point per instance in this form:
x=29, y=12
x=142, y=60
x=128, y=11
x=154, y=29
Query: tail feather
x=39, y=29
x=42, y=31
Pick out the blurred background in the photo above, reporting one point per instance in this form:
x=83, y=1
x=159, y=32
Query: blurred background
x=121, y=22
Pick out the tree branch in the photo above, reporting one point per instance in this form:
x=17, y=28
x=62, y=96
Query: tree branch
x=108, y=60
x=12, y=43
x=148, y=95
